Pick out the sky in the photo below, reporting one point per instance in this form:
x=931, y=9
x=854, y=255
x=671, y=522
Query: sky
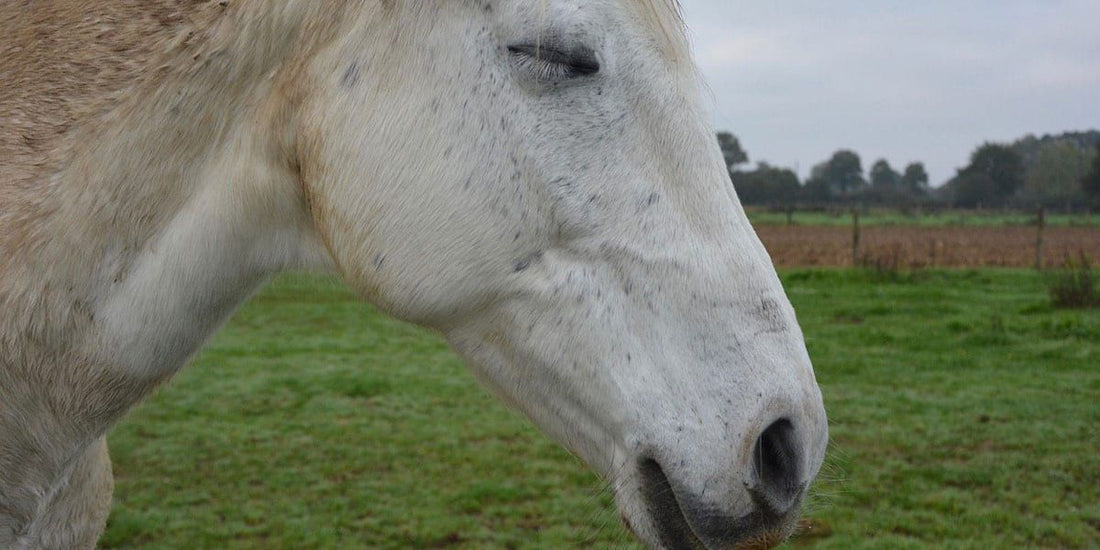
x=907, y=81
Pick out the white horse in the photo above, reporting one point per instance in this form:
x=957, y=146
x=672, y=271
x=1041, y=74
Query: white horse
x=535, y=179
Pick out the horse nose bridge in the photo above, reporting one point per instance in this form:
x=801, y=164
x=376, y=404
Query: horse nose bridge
x=742, y=295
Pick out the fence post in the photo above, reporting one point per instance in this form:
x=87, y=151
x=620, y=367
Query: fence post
x=1039, y=240
x=855, y=237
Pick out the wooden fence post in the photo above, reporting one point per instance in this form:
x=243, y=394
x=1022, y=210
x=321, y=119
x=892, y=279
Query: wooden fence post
x=1039, y=240
x=855, y=237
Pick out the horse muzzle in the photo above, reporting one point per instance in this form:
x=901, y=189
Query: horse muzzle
x=761, y=513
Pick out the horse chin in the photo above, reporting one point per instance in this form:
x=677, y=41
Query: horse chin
x=659, y=534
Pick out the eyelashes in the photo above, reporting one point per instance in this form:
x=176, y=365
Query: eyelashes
x=551, y=64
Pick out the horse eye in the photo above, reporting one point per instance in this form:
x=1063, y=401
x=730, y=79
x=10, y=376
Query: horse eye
x=551, y=63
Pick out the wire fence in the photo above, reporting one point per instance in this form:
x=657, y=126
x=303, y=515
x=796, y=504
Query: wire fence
x=1001, y=239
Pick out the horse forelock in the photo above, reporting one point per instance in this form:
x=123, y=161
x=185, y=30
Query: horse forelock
x=665, y=17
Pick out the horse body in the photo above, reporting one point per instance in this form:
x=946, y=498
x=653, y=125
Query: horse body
x=563, y=220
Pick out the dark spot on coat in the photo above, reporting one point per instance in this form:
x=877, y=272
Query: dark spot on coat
x=525, y=263
x=351, y=76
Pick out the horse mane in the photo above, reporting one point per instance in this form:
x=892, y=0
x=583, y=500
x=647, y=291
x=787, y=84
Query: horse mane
x=62, y=61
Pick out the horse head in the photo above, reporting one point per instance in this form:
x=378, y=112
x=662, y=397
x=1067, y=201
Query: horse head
x=538, y=181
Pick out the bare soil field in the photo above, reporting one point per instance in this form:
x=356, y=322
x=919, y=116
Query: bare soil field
x=916, y=247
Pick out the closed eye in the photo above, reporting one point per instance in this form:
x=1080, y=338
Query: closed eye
x=550, y=63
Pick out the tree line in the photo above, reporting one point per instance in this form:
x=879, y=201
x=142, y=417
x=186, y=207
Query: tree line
x=1060, y=171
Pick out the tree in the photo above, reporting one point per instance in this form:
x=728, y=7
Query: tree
x=1030, y=147
x=1090, y=184
x=915, y=179
x=766, y=185
x=1001, y=167
x=842, y=173
x=883, y=177
x=973, y=189
x=888, y=187
x=816, y=191
x=731, y=150
x=1054, y=177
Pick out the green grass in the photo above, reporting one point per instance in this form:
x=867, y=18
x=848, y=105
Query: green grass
x=964, y=411
x=876, y=217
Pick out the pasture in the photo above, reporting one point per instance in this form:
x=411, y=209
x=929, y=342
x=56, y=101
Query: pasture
x=945, y=238
x=963, y=410
x=935, y=218
x=927, y=246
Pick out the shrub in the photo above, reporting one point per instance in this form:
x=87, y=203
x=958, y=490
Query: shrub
x=886, y=263
x=1074, y=286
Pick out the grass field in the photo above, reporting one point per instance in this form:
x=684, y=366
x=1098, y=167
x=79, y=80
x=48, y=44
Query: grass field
x=964, y=411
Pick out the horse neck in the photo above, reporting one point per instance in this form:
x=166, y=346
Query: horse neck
x=160, y=217
x=167, y=210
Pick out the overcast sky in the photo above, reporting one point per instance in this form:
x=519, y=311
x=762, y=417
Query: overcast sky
x=908, y=80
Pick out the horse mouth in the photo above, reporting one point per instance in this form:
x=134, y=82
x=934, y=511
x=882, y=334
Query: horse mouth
x=675, y=532
x=664, y=509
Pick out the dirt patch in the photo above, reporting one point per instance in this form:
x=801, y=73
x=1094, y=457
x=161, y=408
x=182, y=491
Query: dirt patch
x=917, y=247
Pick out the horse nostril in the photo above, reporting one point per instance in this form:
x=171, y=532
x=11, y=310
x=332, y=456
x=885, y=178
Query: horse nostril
x=777, y=461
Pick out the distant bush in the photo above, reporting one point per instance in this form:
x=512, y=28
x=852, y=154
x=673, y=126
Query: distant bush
x=1075, y=285
x=882, y=265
